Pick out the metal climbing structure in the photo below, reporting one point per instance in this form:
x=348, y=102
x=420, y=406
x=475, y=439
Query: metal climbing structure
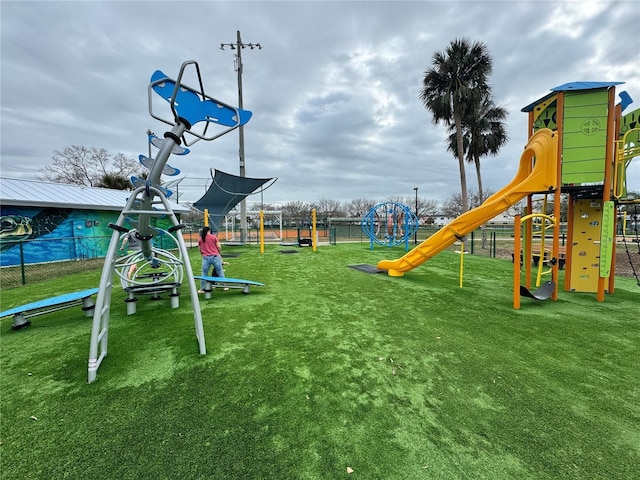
x=389, y=224
x=153, y=269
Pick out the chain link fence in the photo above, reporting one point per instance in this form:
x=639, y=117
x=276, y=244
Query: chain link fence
x=35, y=260
x=28, y=261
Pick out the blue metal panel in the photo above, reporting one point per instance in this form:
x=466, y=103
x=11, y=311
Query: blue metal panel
x=572, y=86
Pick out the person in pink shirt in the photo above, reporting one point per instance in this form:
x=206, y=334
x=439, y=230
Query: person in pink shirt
x=209, y=246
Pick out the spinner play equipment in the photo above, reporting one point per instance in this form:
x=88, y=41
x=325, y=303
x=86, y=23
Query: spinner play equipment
x=151, y=269
x=390, y=224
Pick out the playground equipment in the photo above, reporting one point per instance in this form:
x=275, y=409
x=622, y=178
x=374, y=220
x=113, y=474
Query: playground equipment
x=636, y=228
x=163, y=272
x=159, y=270
x=579, y=144
x=314, y=230
x=462, y=253
x=226, y=282
x=546, y=290
x=312, y=239
x=390, y=224
x=48, y=305
x=225, y=192
x=531, y=176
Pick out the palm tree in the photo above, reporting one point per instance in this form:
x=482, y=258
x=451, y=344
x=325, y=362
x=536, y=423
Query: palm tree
x=457, y=78
x=484, y=133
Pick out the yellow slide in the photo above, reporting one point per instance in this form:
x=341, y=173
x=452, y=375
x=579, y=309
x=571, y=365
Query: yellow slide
x=537, y=173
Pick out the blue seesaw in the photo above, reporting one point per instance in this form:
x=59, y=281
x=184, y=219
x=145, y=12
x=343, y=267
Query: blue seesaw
x=48, y=305
x=225, y=282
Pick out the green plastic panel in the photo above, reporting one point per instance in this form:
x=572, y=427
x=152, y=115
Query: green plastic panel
x=606, y=239
x=584, y=137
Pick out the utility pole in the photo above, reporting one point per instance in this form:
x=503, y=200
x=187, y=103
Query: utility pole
x=238, y=46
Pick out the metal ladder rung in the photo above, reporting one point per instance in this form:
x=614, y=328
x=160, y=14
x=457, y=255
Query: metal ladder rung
x=100, y=358
x=102, y=334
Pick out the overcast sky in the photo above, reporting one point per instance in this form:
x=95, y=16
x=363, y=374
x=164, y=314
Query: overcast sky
x=334, y=90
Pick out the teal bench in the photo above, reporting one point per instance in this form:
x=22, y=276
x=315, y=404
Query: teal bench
x=48, y=305
x=224, y=282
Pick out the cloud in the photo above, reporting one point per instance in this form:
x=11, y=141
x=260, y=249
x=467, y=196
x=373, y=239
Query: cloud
x=334, y=90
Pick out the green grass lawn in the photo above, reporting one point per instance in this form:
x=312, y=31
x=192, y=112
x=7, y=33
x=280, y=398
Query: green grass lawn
x=328, y=368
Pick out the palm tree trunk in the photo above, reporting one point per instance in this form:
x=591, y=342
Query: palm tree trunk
x=481, y=199
x=463, y=176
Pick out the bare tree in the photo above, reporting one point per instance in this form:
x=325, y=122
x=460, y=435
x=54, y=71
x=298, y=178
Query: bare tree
x=427, y=206
x=296, y=209
x=295, y=212
x=453, y=206
x=256, y=207
x=327, y=207
x=359, y=207
x=79, y=165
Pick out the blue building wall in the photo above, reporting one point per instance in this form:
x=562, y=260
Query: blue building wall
x=55, y=234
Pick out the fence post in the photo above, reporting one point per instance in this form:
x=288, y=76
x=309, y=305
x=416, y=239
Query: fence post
x=24, y=277
x=471, y=242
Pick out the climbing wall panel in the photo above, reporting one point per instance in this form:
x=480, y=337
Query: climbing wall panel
x=585, y=253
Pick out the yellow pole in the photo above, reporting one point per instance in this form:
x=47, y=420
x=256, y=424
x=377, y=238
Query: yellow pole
x=461, y=262
x=543, y=243
x=527, y=241
x=314, y=232
x=261, y=231
x=516, y=261
x=206, y=217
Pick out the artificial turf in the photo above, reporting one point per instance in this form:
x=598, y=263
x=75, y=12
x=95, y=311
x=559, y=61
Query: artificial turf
x=325, y=369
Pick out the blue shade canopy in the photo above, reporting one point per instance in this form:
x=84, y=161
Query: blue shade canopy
x=225, y=193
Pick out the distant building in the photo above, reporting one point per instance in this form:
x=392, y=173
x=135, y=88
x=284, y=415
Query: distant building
x=55, y=221
x=440, y=220
x=501, y=218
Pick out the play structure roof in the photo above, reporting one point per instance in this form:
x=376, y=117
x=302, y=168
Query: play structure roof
x=32, y=193
x=574, y=86
x=226, y=192
x=570, y=87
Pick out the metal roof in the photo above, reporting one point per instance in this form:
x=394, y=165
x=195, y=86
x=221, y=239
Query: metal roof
x=531, y=106
x=33, y=193
x=570, y=87
x=573, y=86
